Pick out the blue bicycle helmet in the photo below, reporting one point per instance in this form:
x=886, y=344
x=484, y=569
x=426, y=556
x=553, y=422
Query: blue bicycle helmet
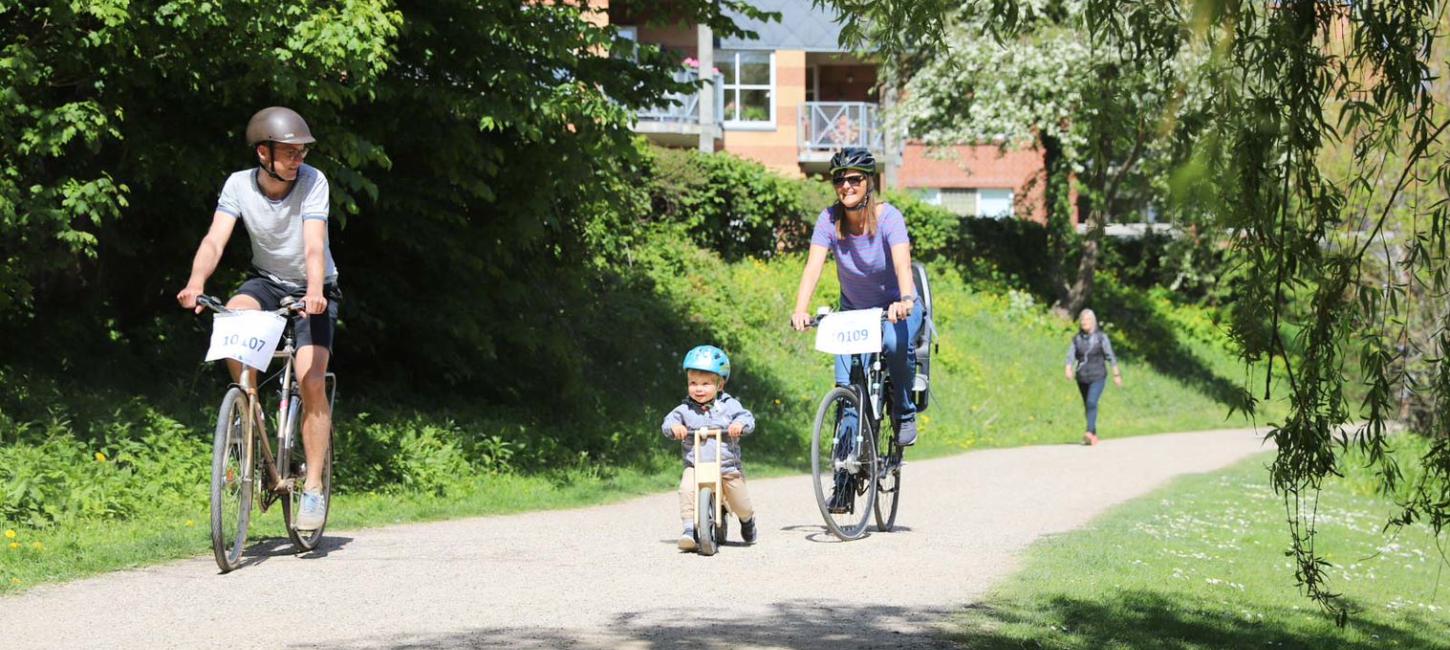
x=708, y=358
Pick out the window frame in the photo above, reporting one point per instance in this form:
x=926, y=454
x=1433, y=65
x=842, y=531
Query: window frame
x=732, y=58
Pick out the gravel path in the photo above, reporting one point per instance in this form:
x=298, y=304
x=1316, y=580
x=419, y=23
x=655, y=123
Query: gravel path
x=610, y=577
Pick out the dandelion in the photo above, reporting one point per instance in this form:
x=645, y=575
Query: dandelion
x=190, y=522
x=100, y=456
x=37, y=546
x=14, y=545
x=9, y=534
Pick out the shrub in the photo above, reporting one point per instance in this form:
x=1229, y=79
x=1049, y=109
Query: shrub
x=735, y=207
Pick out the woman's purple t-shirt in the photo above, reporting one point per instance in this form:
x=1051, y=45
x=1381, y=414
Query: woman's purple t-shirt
x=863, y=262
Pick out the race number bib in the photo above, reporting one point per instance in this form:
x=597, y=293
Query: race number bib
x=850, y=332
x=247, y=336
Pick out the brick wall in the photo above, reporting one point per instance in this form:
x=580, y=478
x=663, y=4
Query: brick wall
x=977, y=167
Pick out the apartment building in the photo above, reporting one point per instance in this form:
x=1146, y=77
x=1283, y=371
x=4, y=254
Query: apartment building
x=792, y=96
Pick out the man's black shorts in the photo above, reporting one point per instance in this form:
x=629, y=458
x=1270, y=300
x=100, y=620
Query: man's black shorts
x=310, y=330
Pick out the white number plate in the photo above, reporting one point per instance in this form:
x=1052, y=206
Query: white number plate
x=247, y=336
x=850, y=332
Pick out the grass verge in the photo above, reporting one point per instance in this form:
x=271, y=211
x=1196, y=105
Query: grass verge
x=1200, y=564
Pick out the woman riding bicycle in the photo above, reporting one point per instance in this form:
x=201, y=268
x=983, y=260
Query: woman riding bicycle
x=873, y=262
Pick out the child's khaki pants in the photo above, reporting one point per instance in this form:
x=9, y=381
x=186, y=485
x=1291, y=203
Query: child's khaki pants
x=735, y=496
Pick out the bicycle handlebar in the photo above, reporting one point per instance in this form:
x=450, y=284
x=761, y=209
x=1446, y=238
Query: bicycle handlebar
x=816, y=320
x=289, y=305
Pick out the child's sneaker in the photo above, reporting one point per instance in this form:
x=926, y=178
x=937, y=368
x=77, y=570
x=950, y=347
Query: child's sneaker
x=687, y=539
x=1090, y=438
x=747, y=531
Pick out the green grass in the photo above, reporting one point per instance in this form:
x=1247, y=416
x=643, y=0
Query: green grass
x=997, y=381
x=1200, y=564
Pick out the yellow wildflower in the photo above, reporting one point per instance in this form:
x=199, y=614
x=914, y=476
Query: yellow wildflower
x=37, y=546
x=15, y=581
x=100, y=456
x=9, y=534
x=14, y=545
x=190, y=522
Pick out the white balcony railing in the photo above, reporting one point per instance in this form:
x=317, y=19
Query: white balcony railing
x=684, y=108
x=831, y=126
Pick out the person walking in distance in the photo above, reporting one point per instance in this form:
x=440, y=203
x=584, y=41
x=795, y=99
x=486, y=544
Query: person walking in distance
x=1088, y=357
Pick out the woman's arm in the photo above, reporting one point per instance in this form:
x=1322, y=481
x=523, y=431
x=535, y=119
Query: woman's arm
x=1112, y=359
x=901, y=260
x=815, y=261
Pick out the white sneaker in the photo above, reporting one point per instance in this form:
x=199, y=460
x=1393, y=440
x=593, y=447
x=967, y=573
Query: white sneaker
x=687, y=539
x=314, y=511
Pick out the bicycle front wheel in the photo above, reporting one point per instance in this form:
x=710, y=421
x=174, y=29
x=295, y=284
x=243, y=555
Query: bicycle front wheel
x=233, y=459
x=889, y=484
x=843, y=463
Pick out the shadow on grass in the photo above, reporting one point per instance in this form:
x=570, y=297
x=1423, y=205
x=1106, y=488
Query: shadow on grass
x=1139, y=619
x=1140, y=333
x=792, y=624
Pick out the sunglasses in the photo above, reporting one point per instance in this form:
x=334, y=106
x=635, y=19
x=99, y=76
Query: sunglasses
x=852, y=180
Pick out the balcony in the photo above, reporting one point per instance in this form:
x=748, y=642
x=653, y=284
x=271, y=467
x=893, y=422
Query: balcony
x=828, y=127
x=676, y=122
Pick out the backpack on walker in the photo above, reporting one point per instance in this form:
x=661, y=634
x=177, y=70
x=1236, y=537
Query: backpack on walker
x=925, y=339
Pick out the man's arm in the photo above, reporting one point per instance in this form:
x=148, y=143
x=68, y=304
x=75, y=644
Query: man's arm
x=314, y=241
x=208, y=254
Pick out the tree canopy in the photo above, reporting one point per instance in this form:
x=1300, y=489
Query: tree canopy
x=1110, y=122
x=476, y=152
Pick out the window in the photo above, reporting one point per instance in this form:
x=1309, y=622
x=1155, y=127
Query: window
x=749, y=88
x=996, y=204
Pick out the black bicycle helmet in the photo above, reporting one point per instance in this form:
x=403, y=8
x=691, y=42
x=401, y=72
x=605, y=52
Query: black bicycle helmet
x=853, y=158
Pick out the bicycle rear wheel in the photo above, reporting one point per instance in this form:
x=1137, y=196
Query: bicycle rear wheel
x=296, y=459
x=233, y=460
x=843, y=463
x=888, y=486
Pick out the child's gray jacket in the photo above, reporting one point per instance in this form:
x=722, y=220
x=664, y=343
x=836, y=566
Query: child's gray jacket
x=717, y=414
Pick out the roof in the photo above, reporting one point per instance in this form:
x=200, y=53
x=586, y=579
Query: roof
x=802, y=26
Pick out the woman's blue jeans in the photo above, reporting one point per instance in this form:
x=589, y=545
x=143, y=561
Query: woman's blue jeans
x=1090, y=394
x=897, y=341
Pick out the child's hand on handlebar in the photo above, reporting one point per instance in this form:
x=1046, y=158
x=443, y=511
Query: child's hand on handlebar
x=680, y=431
x=736, y=428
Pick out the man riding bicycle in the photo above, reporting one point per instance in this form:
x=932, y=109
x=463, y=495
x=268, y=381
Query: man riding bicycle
x=284, y=205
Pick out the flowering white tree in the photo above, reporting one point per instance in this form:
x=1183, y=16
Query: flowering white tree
x=1099, y=113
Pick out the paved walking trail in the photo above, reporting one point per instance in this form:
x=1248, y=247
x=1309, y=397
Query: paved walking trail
x=610, y=577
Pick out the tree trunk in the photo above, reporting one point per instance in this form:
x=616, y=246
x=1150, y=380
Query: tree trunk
x=1081, y=290
x=1059, y=214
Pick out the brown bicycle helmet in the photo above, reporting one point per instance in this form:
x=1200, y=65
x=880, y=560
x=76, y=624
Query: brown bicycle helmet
x=278, y=124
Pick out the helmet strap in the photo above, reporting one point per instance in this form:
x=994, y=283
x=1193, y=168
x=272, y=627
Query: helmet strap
x=271, y=167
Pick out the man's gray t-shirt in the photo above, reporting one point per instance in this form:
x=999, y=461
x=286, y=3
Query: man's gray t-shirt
x=275, y=227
